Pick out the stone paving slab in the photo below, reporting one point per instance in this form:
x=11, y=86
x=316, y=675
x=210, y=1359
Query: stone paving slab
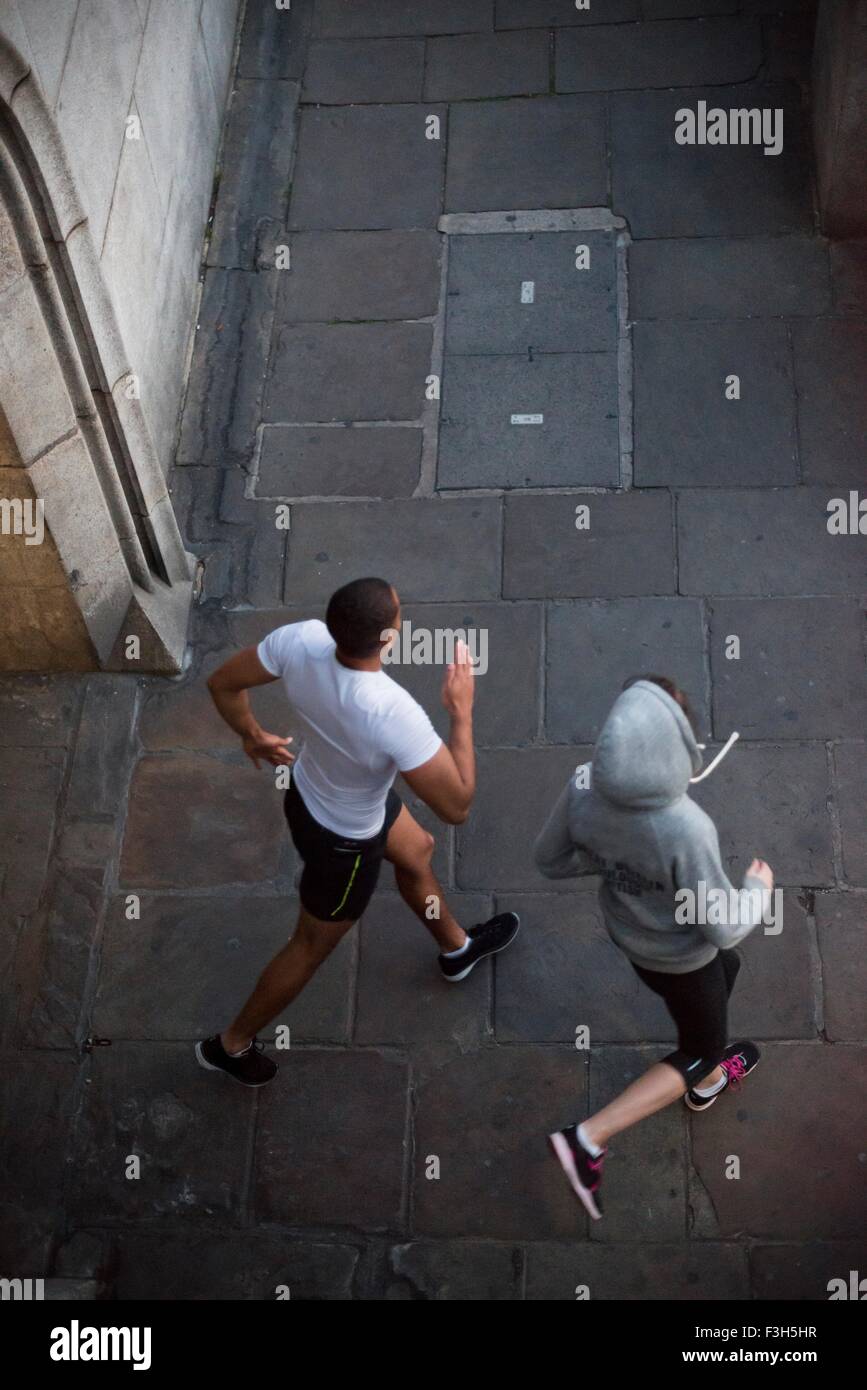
x=190, y=849
x=481, y=444
x=341, y=276
x=429, y=550
x=234, y=1265
x=841, y=919
x=515, y=791
x=255, y=173
x=403, y=999
x=357, y=18
x=32, y=1174
x=801, y=669
x=103, y=746
x=497, y=1177
x=646, y=1181
x=683, y=1270
x=322, y=372
x=770, y=801
x=521, y=14
x=741, y=542
x=776, y=994
x=486, y=280
x=190, y=1129
x=508, y=639
x=509, y=154
x=594, y=646
x=315, y=461
x=678, y=53
x=687, y=9
x=472, y=66
x=30, y=782
x=39, y=711
x=564, y=971
x=208, y=953
x=670, y=190
x=367, y=167
x=687, y=431
x=72, y=1291
x=274, y=41
x=84, y=1254
x=455, y=1271
x=779, y=1195
x=248, y=627
x=729, y=277
x=359, y=1138
x=800, y=1273
x=246, y=565
x=830, y=361
x=850, y=789
x=346, y=71
x=627, y=548
x=257, y=578
x=54, y=957
x=195, y=492
x=185, y=717
x=223, y=403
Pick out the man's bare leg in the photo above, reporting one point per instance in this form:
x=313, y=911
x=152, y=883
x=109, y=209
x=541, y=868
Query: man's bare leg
x=285, y=977
x=410, y=849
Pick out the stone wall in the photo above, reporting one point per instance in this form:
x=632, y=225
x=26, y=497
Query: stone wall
x=166, y=64
x=111, y=116
x=40, y=623
x=840, y=116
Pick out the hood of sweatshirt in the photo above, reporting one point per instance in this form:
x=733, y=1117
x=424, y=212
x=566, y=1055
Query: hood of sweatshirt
x=646, y=752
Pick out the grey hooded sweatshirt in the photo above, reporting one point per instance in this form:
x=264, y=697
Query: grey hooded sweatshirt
x=637, y=827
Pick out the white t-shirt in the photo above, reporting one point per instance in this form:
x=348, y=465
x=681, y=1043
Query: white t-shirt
x=360, y=727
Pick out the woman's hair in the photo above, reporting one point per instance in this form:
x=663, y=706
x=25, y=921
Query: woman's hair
x=670, y=689
x=359, y=613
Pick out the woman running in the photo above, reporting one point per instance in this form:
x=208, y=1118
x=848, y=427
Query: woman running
x=628, y=817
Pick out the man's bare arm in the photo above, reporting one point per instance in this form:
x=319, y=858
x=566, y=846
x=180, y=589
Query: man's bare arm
x=228, y=686
x=439, y=784
x=447, y=781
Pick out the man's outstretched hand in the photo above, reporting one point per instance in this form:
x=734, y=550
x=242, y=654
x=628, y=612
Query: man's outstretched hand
x=458, y=683
x=268, y=748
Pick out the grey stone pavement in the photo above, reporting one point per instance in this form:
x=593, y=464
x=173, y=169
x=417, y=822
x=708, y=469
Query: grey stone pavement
x=147, y=875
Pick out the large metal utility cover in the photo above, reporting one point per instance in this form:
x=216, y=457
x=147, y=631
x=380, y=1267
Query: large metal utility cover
x=530, y=386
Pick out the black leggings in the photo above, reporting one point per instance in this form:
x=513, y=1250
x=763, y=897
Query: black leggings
x=698, y=1003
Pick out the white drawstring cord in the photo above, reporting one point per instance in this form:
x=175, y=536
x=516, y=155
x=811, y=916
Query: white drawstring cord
x=718, y=759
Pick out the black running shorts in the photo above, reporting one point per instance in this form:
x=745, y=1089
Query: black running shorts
x=339, y=875
x=698, y=1003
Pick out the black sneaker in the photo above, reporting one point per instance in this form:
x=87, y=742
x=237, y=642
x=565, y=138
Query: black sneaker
x=739, y=1060
x=486, y=939
x=581, y=1168
x=252, y=1068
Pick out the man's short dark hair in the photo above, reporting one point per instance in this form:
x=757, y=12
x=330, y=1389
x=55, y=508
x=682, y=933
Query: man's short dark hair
x=359, y=613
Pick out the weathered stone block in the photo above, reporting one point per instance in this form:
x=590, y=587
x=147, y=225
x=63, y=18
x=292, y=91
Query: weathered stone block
x=195, y=822
x=403, y=999
x=340, y=1164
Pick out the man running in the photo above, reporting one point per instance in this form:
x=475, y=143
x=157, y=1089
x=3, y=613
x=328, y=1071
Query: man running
x=360, y=730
